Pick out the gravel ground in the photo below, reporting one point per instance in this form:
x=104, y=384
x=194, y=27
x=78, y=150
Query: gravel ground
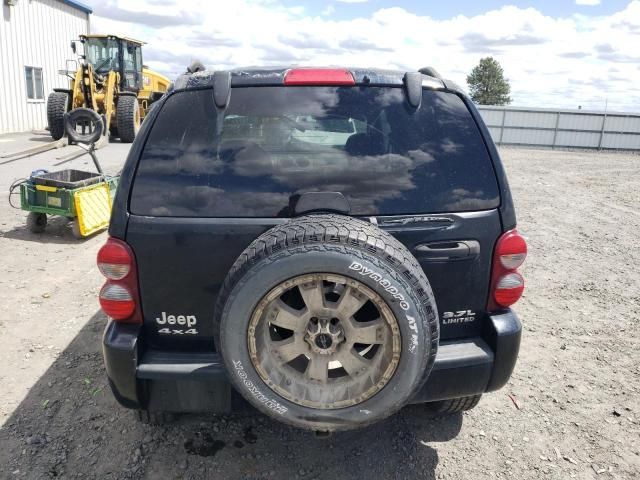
x=571, y=410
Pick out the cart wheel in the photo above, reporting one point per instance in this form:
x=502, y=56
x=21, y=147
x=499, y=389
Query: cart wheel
x=36, y=222
x=75, y=229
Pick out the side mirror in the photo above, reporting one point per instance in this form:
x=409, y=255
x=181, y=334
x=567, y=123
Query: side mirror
x=73, y=47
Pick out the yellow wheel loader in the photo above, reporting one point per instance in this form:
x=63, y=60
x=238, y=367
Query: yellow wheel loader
x=110, y=80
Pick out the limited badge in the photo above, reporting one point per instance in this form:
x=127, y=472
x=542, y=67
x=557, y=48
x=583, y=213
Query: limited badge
x=459, y=316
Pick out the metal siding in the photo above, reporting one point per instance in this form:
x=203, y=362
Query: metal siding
x=495, y=133
x=34, y=33
x=563, y=128
x=529, y=137
x=492, y=117
x=578, y=139
x=580, y=122
x=622, y=124
x=530, y=119
x=618, y=140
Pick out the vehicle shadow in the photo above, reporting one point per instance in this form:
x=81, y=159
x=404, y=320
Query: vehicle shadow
x=70, y=425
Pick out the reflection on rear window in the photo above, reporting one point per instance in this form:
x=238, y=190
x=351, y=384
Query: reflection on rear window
x=274, y=143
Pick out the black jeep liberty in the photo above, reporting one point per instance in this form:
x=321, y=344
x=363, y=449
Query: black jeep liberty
x=330, y=244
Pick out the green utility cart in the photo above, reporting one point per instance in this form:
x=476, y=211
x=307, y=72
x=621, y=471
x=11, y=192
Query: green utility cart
x=85, y=198
x=82, y=197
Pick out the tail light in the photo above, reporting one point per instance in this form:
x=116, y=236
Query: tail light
x=117, y=301
x=114, y=260
x=507, y=284
x=119, y=297
x=318, y=76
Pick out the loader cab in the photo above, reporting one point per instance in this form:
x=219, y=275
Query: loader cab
x=109, y=53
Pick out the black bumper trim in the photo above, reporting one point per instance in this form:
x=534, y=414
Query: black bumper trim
x=463, y=367
x=503, y=334
x=120, y=350
x=157, y=365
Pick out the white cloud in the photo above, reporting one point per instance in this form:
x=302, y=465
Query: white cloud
x=588, y=2
x=329, y=10
x=556, y=62
x=352, y=1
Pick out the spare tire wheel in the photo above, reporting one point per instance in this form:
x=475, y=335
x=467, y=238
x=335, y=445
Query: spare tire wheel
x=327, y=323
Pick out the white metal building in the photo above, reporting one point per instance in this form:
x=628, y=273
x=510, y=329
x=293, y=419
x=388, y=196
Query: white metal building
x=35, y=38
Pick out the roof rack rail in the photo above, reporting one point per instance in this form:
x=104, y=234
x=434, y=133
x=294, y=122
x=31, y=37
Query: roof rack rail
x=430, y=71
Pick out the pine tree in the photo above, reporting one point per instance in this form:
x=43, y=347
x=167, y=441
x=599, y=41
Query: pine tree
x=487, y=84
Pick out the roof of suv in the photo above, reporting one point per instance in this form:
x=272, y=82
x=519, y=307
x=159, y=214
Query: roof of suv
x=274, y=76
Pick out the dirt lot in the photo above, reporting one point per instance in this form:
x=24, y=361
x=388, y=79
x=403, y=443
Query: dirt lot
x=576, y=389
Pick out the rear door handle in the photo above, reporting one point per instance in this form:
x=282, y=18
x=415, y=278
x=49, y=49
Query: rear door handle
x=448, y=250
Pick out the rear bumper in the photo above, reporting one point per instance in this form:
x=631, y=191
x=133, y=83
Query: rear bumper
x=189, y=382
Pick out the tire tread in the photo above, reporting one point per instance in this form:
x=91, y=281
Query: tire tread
x=56, y=108
x=125, y=120
x=455, y=405
x=328, y=232
x=147, y=417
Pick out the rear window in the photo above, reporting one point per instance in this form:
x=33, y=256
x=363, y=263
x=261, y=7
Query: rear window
x=274, y=143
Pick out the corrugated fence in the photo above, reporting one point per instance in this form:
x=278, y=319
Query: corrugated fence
x=562, y=128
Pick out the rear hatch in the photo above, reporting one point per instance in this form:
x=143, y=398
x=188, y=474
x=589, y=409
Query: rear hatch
x=210, y=180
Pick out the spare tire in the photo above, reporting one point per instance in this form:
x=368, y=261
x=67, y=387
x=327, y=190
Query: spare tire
x=327, y=323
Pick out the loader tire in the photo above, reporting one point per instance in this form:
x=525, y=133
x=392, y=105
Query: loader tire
x=56, y=108
x=128, y=118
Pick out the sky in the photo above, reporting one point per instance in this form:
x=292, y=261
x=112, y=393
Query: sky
x=557, y=54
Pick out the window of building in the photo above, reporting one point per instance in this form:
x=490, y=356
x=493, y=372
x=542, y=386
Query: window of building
x=35, y=87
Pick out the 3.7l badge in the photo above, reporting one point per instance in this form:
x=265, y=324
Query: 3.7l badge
x=459, y=316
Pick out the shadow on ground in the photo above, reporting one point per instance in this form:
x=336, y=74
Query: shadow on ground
x=58, y=230
x=69, y=425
